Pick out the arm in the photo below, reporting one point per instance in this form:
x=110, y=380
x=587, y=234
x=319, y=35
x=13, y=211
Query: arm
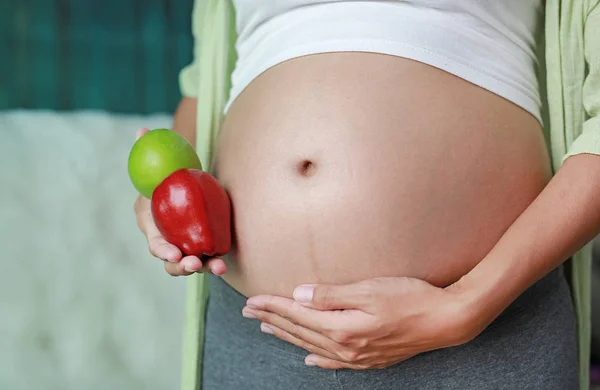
x=557, y=224
x=209, y=22
x=184, y=120
x=379, y=322
x=565, y=216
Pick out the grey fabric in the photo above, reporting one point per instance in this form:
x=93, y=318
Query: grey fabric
x=532, y=345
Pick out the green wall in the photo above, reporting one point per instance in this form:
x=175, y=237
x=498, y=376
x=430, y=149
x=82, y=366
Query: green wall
x=116, y=55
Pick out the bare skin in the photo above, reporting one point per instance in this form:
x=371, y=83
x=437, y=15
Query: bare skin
x=406, y=207
x=349, y=166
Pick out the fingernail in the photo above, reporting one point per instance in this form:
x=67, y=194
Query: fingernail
x=266, y=328
x=309, y=362
x=248, y=315
x=303, y=293
x=188, y=269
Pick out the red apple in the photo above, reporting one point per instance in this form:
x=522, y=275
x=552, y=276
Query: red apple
x=193, y=212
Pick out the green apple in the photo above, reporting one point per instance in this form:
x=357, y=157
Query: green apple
x=156, y=155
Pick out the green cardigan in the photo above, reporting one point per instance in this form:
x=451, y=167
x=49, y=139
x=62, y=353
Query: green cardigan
x=570, y=78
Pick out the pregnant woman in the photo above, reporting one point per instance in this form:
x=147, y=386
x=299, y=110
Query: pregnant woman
x=401, y=213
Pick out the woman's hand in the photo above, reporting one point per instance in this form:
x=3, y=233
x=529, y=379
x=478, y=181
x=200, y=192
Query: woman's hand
x=175, y=263
x=379, y=322
x=371, y=324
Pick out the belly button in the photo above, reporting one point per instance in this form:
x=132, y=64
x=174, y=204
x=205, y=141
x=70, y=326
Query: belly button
x=307, y=168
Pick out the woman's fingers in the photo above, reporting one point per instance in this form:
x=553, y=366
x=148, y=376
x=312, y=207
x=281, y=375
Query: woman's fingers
x=175, y=263
x=141, y=132
x=159, y=247
x=187, y=266
x=285, y=336
x=190, y=264
x=215, y=265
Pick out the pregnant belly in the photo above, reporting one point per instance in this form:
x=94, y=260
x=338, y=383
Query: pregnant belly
x=348, y=166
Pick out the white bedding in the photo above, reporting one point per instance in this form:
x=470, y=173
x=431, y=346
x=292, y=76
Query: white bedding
x=83, y=304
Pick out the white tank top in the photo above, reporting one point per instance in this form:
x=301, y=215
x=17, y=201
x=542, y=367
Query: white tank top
x=490, y=43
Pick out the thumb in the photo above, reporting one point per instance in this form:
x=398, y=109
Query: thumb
x=331, y=296
x=141, y=132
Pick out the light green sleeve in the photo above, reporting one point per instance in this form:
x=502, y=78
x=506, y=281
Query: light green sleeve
x=207, y=79
x=189, y=76
x=589, y=139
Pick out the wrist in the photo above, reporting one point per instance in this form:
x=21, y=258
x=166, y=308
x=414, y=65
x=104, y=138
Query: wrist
x=478, y=302
x=489, y=288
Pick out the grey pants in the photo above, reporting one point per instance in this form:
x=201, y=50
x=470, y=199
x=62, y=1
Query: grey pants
x=532, y=345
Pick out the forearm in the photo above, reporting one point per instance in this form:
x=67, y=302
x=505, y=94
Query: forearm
x=564, y=217
x=184, y=120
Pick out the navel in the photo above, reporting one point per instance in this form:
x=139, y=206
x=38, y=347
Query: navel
x=307, y=168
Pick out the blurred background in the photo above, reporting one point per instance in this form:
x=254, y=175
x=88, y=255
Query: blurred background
x=83, y=305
